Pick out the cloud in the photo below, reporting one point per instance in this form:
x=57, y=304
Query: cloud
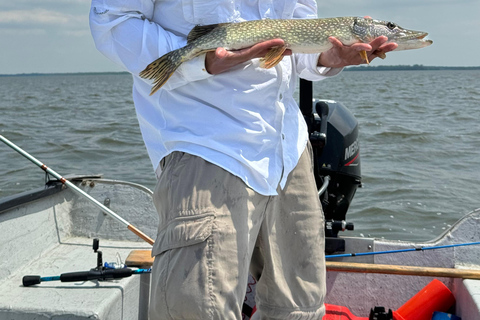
x=41, y=21
x=38, y=16
x=28, y=4
x=51, y=16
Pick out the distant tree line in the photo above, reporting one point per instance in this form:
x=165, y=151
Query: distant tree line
x=355, y=68
x=406, y=67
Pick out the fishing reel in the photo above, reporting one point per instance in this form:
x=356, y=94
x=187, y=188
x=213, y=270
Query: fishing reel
x=95, y=246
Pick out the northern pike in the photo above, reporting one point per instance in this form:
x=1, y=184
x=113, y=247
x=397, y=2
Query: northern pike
x=299, y=35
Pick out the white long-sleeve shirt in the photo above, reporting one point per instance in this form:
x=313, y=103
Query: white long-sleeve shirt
x=244, y=120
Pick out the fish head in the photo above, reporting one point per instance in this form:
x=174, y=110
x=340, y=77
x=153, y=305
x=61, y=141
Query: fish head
x=366, y=29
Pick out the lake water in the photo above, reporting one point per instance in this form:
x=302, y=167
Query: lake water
x=419, y=138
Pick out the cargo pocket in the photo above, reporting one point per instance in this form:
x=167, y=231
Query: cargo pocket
x=204, y=12
x=182, y=276
x=184, y=231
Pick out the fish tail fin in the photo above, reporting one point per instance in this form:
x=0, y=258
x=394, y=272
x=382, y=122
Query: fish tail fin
x=163, y=68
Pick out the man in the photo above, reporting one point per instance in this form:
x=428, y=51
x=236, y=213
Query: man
x=229, y=146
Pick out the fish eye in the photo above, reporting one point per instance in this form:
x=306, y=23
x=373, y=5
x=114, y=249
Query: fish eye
x=391, y=25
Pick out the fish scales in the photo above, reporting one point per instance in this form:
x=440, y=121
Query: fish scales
x=299, y=35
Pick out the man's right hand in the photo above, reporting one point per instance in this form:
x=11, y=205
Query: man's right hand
x=222, y=60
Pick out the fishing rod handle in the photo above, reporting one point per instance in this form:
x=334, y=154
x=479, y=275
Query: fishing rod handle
x=96, y=275
x=80, y=276
x=30, y=280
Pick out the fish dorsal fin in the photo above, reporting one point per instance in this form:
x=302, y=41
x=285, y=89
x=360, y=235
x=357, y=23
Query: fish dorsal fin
x=200, y=31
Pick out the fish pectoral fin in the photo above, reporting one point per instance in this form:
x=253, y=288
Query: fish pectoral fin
x=364, y=56
x=273, y=57
x=381, y=55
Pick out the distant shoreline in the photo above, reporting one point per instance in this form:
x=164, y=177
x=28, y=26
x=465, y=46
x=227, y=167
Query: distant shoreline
x=63, y=74
x=415, y=67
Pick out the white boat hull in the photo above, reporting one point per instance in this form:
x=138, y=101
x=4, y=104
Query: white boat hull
x=53, y=235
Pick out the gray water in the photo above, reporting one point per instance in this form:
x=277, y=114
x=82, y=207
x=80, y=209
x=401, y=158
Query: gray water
x=419, y=140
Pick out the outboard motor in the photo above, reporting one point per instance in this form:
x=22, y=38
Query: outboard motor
x=334, y=138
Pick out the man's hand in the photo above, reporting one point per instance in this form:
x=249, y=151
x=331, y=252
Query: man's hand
x=221, y=60
x=340, y=56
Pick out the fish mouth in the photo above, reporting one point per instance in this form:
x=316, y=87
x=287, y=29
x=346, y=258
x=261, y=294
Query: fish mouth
x=410, y=35
x=422, y=36
x=412, y=40
x=415, y=36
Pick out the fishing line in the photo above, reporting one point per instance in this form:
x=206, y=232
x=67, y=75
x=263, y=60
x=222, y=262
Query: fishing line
x=358, y=254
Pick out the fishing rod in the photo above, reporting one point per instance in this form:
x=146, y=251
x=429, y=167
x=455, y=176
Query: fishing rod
x=358, y=254
x=108, y=274
x=77, y=190
x=101, y=272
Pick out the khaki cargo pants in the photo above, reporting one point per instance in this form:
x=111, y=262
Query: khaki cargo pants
x=213, y=229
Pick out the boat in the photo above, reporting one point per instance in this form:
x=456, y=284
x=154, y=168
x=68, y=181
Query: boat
x=50, y=231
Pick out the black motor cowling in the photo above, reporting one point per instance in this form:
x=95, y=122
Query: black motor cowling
x=334, y=138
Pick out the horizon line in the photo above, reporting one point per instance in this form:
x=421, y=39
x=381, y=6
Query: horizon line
x=415, y=66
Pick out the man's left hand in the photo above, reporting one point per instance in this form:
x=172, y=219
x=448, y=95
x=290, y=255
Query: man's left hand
x=340, y=56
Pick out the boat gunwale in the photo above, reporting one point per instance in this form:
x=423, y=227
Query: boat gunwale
x=55, y=186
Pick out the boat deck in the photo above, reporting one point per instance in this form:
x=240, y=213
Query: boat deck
x=52, y=233
x=113, y=299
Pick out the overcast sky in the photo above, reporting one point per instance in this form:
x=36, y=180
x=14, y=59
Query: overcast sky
x=46, y=36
